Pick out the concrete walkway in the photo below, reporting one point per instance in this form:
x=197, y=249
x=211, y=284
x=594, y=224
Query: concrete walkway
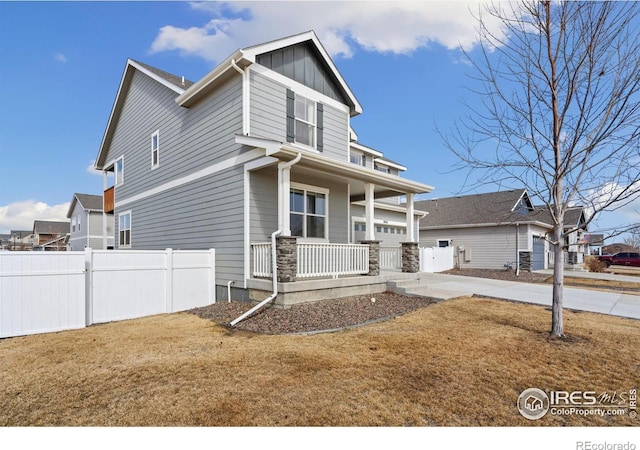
x=443, y=287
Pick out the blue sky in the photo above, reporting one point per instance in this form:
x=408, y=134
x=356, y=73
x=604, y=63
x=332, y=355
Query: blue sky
x=61, y=64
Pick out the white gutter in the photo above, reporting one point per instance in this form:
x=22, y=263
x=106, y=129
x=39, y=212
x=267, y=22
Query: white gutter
x=274, y=261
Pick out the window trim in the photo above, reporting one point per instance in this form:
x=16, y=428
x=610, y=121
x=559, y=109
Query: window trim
x=118, y=173
x=313, y=124
x=155, y=134
x=125, y=213
x=317, y=190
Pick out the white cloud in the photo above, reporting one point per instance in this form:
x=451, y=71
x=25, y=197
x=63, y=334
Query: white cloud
x=394, y=27
x=91, y=170
x=20, y=215
x=60, y=57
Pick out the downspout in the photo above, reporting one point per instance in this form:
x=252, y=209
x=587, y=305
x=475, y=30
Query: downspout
x=517, y=249
x=274, y=260
x=229, y=290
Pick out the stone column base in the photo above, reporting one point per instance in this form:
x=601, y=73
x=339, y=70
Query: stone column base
x=410, y=257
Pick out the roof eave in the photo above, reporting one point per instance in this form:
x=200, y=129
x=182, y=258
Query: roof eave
x=202, y=87
x=118, y=103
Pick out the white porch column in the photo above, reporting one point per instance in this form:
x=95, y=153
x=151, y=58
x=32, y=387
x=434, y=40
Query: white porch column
x=104, y=214
x=410, y=219
x=369, y=212
x=284, y=206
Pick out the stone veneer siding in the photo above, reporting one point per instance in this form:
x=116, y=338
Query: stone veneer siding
x=525, y=261
x=410, y=257
x=374, y=257
x=287, y=258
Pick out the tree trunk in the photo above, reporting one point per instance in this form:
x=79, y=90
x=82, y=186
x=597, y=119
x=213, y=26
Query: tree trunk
x=557, y=325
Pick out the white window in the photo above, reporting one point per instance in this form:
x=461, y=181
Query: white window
x=119, y=170
x=79, y=222
x=444, y=243
x=308, y=215
x=155, y=149
x=124, y=229
x=381, y=168
x=73, y=223
x=305, y=119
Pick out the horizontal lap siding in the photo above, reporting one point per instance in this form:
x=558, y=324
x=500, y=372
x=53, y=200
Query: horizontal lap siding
x=263, y=204
x=78, y=239
x=491, y=247
x=268, y=110
x=190, y=139
x=268, y=117
x=197, y=215
x=336, y=132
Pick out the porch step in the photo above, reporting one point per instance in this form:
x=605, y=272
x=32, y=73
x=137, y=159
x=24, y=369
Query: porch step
x=422, y=288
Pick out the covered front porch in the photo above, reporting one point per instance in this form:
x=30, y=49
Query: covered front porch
x=303, y=200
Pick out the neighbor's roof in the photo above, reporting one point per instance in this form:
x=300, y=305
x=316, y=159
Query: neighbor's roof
x=88, y=202
x=478, y=209
x=48, y=227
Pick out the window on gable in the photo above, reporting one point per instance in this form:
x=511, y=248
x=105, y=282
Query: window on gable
x=124, y=229
x=79, y=222
x=308, y=213
x=73, y=224
x=155, y=149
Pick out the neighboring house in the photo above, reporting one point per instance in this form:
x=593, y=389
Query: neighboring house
x=86, y=229
x=261, y=143
x=50, y=236
x=21, y=240
x=594, y=243
x=496, y=230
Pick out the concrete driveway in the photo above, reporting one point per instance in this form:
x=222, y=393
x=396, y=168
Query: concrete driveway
x=442, y=286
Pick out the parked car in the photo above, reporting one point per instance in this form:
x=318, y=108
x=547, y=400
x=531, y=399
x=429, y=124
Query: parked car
x=621, y=259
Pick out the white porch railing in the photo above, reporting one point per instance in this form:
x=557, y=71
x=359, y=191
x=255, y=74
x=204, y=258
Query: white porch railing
x=390, y=257
x=261, y=260
x=317, y=260
x=332, y=260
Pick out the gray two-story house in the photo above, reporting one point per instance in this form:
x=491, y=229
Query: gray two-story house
x=86, y=219
x=261, y=146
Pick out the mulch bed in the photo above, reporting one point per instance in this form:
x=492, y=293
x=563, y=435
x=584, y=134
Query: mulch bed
x=325, y=315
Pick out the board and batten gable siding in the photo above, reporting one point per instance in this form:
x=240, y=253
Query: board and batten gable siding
x=268, y=117
x=491, y=247
x=301, y=63
x=205, y=213
x=189, y=138
x=264, y=204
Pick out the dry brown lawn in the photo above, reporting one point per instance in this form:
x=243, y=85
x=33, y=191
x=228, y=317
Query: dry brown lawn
x=604, y=285
x=458, y=363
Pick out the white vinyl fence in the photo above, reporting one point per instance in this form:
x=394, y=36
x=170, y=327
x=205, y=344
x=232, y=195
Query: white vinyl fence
x=44, y=292
x=436, y=259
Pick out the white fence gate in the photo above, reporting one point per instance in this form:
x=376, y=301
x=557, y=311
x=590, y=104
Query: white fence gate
x=43, y=292
x=436, y=259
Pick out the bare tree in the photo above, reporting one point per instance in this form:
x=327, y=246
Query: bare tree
x=633, y=238
x=560, y=110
